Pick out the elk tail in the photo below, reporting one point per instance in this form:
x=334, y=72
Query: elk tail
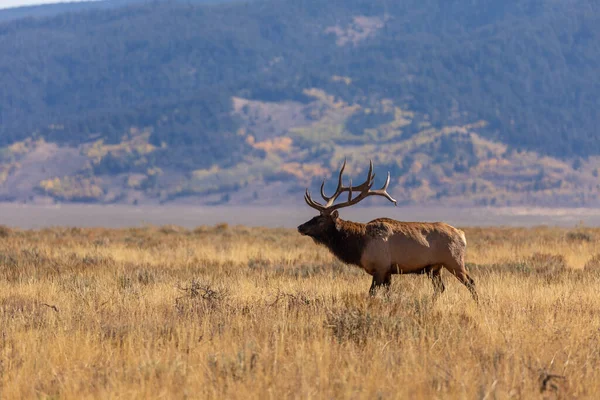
x=462, y=236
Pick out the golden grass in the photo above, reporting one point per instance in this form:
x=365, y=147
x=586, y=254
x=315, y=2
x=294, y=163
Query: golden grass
x=222, y=312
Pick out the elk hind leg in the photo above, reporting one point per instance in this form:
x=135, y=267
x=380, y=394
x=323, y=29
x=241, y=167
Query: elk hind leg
x=461, y=274
x=464, y=277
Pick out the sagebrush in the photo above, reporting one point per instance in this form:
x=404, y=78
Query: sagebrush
x=236, y=312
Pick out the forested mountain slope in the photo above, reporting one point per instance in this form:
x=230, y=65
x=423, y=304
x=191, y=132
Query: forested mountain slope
x=52, y=9
x=464, y=101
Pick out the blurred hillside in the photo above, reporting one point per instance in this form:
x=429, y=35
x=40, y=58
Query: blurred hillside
x=52, y=9
x=465, y=102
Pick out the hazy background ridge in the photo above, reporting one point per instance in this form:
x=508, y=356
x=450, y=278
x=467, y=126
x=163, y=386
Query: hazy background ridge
x=481, y=103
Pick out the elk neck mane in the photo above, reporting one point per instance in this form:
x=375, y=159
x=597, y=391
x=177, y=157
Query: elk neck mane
x=346, y=241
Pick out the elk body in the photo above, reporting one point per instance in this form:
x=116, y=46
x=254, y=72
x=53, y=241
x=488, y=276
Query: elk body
x=384, y=247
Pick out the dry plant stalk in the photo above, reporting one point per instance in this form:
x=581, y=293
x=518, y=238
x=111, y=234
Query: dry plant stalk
x=236, y=312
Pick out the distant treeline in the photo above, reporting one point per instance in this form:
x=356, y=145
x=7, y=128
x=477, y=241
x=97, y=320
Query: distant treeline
x=528, y=67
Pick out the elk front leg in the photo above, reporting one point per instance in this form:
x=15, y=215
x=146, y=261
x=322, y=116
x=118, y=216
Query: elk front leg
x=435, y=274
x=380, y=280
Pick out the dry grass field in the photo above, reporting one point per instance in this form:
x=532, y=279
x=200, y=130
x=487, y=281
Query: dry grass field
x=235, y=312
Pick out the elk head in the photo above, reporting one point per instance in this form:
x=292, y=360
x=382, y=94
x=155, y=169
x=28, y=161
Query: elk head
x=324, y=225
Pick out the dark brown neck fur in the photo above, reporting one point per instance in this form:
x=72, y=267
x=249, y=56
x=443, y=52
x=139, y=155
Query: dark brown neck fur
x=346, y=242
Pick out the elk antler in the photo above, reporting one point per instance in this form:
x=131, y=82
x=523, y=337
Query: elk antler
x=364, y=190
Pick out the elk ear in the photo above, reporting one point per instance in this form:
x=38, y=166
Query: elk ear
x=335, y=215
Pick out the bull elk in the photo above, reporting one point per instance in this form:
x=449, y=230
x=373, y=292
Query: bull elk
x=384, y=246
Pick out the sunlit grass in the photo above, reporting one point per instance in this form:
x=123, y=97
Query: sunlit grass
x=235, y=312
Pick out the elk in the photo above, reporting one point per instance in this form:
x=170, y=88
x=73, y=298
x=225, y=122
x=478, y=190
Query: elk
x=384, y=246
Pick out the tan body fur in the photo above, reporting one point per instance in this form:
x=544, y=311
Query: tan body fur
x=384, y=247
x=396, y=247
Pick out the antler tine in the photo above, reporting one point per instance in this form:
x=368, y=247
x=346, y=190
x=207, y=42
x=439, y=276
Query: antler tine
x=323, y=191
x=370, y=176
x=368, y=183
x=339, y=186
x=350, y=191
x=312, y=203
x=364, y=189
x=387, y=182
x=309, y=198
x=383, y=191
x=341, y=173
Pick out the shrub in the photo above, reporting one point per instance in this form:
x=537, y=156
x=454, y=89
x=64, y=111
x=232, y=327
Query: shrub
x=579, y=236
x=5, y=231
x=593, y=264
x=547, y=263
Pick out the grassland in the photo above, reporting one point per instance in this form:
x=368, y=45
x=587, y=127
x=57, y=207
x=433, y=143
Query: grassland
x=235, y=312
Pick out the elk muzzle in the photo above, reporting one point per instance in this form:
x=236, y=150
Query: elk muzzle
x=302, y=229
